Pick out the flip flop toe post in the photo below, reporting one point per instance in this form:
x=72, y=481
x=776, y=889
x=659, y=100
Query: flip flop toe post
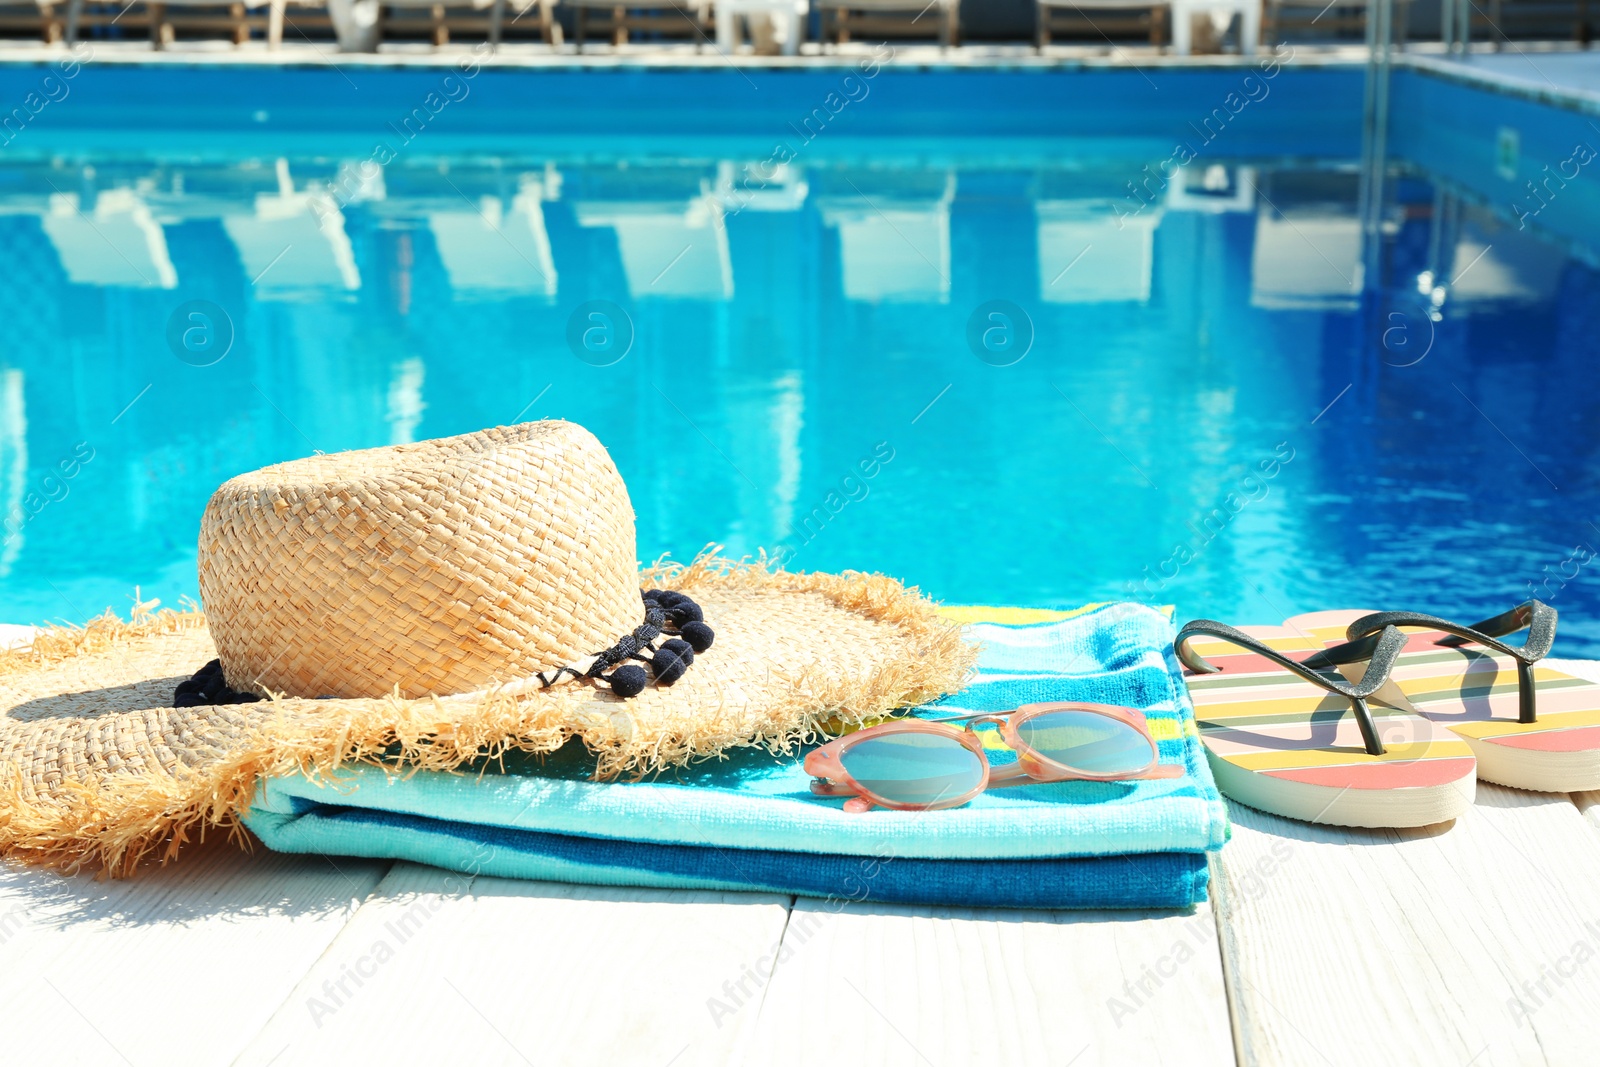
x=1305, y=743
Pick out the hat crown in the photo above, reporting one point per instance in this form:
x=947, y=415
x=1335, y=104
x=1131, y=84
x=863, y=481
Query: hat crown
x=436, y=567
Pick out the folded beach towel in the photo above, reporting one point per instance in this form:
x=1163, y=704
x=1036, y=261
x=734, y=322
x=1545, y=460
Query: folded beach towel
x=751, y=822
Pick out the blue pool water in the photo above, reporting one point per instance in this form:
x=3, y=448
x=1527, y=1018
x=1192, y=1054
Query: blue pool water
x=1069, y=381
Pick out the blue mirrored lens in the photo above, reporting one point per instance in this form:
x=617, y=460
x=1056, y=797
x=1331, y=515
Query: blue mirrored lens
x=913, y=768
x=1087, y=742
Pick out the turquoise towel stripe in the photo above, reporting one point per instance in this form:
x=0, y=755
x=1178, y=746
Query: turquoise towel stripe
x=1118, y=654
x=1158, y=880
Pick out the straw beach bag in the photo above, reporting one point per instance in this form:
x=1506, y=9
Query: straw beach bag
x=426, y=606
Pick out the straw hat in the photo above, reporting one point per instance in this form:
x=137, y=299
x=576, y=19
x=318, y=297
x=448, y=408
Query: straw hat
x=429, y=606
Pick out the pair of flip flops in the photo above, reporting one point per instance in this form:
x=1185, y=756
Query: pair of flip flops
x=1387, y=718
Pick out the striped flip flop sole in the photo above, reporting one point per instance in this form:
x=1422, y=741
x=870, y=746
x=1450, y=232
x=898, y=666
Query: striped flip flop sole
x=1278, y=743
x=1473, y=692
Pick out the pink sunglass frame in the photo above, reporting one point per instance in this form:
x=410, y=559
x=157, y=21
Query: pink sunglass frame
x=830, y=779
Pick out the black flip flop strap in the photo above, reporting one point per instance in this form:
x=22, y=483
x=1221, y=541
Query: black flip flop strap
x=1380, y=652
x=1535, y=616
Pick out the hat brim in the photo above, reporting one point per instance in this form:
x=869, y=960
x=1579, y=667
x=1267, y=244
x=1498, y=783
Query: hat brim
x=99, y=770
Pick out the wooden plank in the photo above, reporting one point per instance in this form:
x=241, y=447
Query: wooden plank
x=1475, y=943
x=881, y=984
x=179, y=965
x=1589, y=804
x=440, y=967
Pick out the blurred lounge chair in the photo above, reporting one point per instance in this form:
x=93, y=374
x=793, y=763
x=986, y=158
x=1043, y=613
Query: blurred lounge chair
x=1547, y=20
x=1305, y=261
x=294, y=243
x=129, y=17
x=115, y=242
x=670, y=246
x=1308, y=251
x=775, y=26
x=1099, y=21
x=1494, y=264
x=531, y=19
x=496, y=247
x=894, y=236
x=690, y=19
x=878, y=19
x=1342, y=19
x=42, y=20
x=487, y=19
x=236, y=20
x=1095, y=251
x=303, y=20
x=1215, y=16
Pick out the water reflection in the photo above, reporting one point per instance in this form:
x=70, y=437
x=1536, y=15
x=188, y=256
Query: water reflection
x=1236, y=399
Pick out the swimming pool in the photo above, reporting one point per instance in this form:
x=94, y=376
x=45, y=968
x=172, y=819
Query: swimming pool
x=996, y=333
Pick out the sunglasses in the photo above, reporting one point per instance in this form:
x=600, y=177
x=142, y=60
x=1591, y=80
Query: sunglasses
x=924, y=764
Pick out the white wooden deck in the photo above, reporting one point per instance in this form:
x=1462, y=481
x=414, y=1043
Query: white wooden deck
x=1478, y=944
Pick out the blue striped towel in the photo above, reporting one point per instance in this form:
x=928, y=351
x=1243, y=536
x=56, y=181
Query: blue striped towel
x=751, y=821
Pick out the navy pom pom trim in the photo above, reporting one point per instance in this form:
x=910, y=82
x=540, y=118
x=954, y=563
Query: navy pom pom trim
x=628, y=681
x=667, y=666
x=208, y=688
x=685, y=612
x=698, y=634
x=666, y=612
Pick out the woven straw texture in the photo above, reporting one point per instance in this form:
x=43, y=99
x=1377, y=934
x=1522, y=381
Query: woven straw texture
x=98, y=772
x=433, y=568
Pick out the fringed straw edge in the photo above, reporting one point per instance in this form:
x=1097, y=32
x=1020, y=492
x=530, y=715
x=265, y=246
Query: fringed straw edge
x=115, y=825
